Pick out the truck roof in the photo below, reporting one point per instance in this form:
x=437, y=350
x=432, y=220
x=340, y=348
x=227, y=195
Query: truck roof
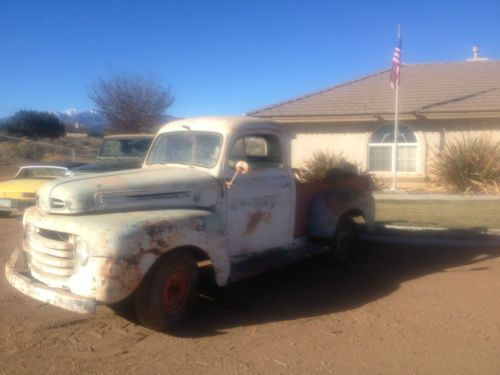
x=129, y=136
x=221, y=124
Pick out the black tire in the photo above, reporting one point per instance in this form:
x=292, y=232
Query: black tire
x=345, y=241
x=168, y=291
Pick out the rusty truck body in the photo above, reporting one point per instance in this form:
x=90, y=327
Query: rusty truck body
x=217, y=191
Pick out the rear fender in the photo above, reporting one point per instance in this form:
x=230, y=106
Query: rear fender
x=327, y=208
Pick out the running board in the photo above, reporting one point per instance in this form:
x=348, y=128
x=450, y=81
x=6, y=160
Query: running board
x=246, y=266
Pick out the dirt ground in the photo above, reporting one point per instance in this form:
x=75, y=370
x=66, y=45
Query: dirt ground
x=392, y=310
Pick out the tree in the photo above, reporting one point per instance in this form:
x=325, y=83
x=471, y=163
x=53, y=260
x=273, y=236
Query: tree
x=131, y=103
x=34, y=124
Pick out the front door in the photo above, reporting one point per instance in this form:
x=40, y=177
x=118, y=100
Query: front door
x=259, y=204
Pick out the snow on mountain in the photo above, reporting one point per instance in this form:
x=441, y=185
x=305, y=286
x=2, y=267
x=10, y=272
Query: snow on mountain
x=70, y=112
x=90, y=119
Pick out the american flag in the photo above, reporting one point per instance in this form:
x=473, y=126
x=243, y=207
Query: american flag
x=396, y=65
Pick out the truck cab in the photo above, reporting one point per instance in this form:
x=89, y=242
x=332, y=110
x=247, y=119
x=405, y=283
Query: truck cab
x=217, y=191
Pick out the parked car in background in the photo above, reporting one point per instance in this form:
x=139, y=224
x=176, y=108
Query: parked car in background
x=118, y=152
x=20, y=192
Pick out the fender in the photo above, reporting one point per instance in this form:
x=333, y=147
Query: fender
x=124, y=246
x=327, y=208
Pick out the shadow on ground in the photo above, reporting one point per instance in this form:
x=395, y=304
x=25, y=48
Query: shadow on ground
x=314, y=287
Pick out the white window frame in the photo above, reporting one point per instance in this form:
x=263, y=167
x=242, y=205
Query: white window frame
x=392, y=145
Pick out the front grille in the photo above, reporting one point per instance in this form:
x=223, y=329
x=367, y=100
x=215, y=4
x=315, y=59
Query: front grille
x=51, y=256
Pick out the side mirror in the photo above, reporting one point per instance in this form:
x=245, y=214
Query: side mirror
x=241, y=168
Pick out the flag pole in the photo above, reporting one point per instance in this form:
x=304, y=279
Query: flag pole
x=396, y=131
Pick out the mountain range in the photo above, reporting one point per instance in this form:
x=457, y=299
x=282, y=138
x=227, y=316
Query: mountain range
x=90, y=120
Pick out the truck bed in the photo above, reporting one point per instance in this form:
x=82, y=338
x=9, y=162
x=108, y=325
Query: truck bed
x=305, y=192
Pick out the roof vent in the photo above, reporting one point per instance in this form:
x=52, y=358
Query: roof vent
x=475, y=55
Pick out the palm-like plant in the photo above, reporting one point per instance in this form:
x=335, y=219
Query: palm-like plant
x=469, y=164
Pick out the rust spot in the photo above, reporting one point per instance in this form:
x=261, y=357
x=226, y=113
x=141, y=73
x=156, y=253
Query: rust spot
x=161, y=234
x=106, y=268
x=254, y=219
x=120, y=276
x=135, y=260
x=156, y=229
x=197, y=223
x=161, y=243
x=155, y=251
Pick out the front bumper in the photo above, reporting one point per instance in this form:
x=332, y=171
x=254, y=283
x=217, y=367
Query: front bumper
x=17, y=274
x=8, y=204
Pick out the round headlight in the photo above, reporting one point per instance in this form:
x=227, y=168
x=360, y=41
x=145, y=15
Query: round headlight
x=81, y=250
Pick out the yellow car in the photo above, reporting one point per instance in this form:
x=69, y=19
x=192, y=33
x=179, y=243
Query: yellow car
x=20, y=192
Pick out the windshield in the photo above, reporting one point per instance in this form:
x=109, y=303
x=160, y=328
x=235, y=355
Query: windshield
x=41, y=172
x=186, y=148
x=125, y=147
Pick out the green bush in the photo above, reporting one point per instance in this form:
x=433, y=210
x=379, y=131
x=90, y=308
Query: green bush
x=469, y=164
x=321, y=165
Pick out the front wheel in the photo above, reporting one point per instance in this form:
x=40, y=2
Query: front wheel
x=345, y=240
x=168, y=291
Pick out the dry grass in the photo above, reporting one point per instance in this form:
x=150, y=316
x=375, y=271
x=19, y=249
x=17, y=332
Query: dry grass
x=25, y=150
x=448, y=214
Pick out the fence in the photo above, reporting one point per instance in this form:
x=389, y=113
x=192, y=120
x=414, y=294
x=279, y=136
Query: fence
x=13, y=148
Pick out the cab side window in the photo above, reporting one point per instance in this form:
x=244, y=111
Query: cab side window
x=259, y=151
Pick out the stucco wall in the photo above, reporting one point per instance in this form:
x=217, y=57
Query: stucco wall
x=351, y=139
x=433, y=135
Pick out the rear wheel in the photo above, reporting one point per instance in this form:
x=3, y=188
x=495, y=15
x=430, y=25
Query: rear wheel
x=345, y=240
x=168, y=291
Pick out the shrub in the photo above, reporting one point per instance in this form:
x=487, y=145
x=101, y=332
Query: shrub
x=321, y=165
x=378, y=184
x=6, y=151
x=25, y=150
x=469, y=164
x=49, y=157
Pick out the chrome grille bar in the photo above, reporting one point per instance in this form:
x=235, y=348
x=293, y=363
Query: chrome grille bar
x=51, y=256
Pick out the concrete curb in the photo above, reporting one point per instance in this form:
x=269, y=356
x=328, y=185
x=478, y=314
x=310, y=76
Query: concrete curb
x=492, y=232
x=434, y=197
x=428, y=241
x=426, y=236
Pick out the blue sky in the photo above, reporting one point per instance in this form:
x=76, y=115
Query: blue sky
x=223, y=57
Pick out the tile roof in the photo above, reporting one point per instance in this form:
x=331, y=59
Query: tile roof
x=468, y=86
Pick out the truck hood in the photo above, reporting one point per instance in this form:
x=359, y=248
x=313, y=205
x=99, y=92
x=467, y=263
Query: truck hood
x=148, y=188
x=103, y=167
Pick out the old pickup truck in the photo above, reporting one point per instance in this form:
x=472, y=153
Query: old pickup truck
x=217, y=192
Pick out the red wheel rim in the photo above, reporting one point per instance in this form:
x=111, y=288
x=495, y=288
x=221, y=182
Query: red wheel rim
x=176, y=290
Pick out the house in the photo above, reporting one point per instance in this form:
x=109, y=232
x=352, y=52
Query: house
x=437, y=103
